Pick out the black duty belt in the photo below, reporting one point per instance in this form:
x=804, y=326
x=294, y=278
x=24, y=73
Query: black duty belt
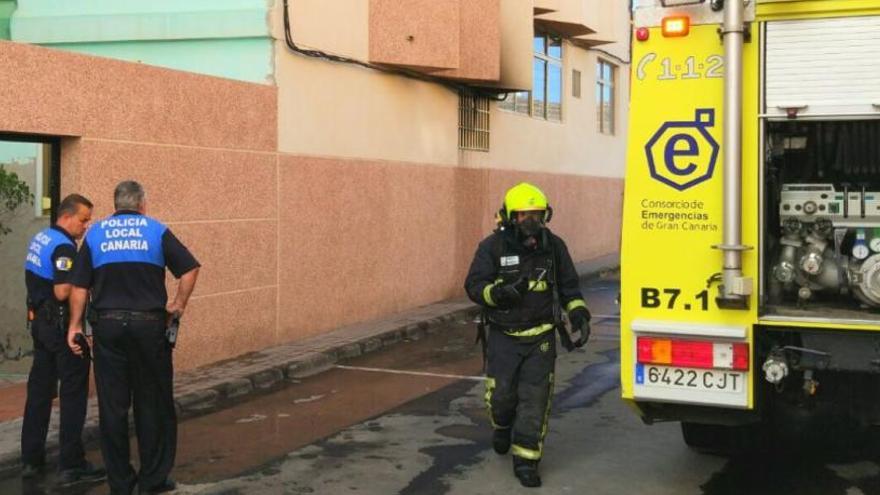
x=50, y=311
x=132, y=315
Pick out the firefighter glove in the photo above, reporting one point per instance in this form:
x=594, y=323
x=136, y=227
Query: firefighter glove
x=509, y=295
x=580, y=322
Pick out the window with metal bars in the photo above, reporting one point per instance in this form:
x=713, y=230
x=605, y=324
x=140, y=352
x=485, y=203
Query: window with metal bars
x=473, y=122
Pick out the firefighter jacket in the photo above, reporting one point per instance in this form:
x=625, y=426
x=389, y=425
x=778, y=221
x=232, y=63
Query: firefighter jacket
x=501, y=258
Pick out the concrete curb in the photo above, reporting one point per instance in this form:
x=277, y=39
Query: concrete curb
x=218, y=385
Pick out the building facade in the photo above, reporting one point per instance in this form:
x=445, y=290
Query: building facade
x=328, y=162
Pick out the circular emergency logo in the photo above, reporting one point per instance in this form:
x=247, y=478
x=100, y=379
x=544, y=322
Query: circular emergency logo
x=682, y=154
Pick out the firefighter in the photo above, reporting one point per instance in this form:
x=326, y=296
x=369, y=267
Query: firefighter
x=523, y=277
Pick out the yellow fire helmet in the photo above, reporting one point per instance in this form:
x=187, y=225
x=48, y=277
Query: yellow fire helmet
x=525, y=197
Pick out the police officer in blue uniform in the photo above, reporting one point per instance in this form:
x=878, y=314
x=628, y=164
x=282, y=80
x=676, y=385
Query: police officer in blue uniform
x=122, y=261
x=47, y=267
x=523, y=276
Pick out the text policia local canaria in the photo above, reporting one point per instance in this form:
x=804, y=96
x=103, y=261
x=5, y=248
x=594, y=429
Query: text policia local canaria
x=124, y=233
x=671, y=215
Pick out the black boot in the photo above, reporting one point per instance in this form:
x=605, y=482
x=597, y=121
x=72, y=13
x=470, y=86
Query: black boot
x=166, y=486
x=526, y=472
x=87, y=474
x=501, y=440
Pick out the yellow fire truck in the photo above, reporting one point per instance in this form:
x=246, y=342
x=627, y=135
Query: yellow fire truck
x=750, y=290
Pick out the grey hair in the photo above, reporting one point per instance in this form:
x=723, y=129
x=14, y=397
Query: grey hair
x=129, y=195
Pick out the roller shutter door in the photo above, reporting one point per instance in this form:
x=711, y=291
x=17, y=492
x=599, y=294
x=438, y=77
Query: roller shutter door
x=829, y=65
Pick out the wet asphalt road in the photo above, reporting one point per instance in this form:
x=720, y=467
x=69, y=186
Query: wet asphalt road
x=411, y=420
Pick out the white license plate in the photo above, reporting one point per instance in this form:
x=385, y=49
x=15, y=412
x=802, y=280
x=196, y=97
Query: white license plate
x=690, y=378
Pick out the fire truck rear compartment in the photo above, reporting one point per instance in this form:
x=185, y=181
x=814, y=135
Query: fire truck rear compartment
x=821, y=216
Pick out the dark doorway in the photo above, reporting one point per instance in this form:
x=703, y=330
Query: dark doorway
x=30, y=165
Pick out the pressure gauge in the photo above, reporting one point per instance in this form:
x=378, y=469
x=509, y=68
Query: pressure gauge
x=860, y=248
x=875, y=244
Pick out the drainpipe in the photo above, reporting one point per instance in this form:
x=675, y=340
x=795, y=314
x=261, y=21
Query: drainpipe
x=735, y=289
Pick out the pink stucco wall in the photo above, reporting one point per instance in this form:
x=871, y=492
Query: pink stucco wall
x=429, y=39
x=63, y=93
x=479, y=41
x=452, y=38
x=291, y=246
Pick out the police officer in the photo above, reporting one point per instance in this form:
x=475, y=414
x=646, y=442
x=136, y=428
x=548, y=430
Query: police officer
x=122, y=261
x=522, y=275
x=47, y=269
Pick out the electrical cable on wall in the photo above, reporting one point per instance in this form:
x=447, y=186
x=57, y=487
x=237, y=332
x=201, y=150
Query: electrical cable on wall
x=496, y=95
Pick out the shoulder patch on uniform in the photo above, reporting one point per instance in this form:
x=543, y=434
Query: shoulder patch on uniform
x=509, y=260
x=64, y=264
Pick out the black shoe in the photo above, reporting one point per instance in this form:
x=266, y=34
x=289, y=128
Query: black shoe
x=501, y=440
x=526, y=471
x=87, y=474
x=166, y=486
x=29, y=471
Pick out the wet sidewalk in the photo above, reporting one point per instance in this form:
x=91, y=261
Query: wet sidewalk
x=219, y=385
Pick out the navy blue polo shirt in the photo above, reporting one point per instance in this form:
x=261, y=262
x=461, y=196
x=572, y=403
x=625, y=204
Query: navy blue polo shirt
x=49, y=261
x=123, y=260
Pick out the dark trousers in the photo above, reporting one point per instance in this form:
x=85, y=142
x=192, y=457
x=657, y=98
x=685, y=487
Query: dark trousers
x=519, y=388
x=53, y=361
x=133, y=362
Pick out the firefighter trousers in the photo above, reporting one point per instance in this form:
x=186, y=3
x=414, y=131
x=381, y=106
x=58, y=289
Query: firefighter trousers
x=519, y=388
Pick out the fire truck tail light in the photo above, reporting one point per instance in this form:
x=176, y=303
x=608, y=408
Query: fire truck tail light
x=693, y=353
x=676, y=26
x=656, y=351
x=741, y=356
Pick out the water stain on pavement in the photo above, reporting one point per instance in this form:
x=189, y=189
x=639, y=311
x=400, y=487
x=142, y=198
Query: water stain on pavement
x=590, y=384
x=449, y=459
